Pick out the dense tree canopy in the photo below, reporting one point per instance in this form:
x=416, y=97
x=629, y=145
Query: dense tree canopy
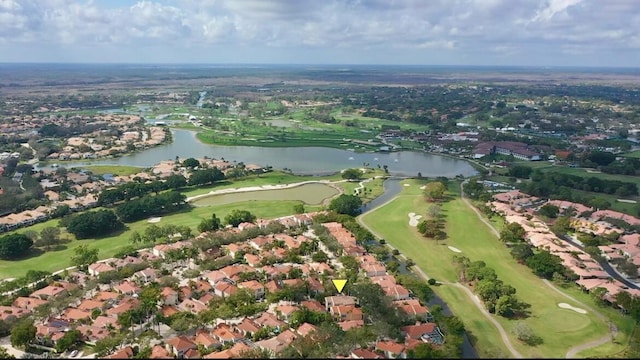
x=206, y=176
x=150, y=205
x=434, y=191
x=93, y=223
x=346, y=204
x=236, y=217
x=351, y=174
x=23, y=333
x=14, y=245
x=84, y=256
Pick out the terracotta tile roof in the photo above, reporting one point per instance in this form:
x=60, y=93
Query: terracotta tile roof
x=181, y=343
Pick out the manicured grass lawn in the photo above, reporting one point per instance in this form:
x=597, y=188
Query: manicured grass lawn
x=57, y=260
x=633, y=154
x=584, y=173
x=467, y=233
x=121, y=170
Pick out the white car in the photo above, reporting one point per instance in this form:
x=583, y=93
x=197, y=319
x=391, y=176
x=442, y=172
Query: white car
x=74, y=353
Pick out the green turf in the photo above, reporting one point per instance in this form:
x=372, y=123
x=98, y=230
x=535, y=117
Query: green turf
x=467, y=233
x=121, y=170
x=57, y=260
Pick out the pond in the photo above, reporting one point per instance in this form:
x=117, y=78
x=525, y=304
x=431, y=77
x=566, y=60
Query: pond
x=310, y=194
x=300, y=160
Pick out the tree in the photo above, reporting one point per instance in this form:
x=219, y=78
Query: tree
x=236, y=217
x=23, y=333
x=191, y=163
x=351, y=174
x=520, y=171
x=561, y=226
x=434, y=211
x=206, y=176
x=550, y=211
x=629, y=268
x=94, y=223
x=544, y=264
x=84, y=256
x=49, y=236
x=524, y=333
x=298, y=208
x=521, y=252
x=68, y=340
x=425, y=351
x=434, y=191
x=346, y=204
x=429, y=228
x=512, y=233
x=14, y=245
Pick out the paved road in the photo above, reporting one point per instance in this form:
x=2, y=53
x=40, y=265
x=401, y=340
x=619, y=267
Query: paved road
x=6, y=343
x=578, y=348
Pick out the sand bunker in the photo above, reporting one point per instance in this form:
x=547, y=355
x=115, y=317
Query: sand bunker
x=413, y=219
x=454, y=249
x=567, y=306
x=423, y=187
x=627, y=201
x=406, y=184
x=154, y=220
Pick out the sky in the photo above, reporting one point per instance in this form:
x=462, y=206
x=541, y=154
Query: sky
x=403, y=32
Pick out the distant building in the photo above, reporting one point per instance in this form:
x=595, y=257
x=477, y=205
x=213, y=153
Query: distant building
x=518, y=150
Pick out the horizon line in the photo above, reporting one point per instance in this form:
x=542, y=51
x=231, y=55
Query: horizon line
x=239, y=64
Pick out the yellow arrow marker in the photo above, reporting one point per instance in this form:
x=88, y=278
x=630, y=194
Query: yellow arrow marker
x=339, y=284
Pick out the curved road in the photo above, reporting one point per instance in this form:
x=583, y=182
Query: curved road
x=578, y=348
x=474, y=298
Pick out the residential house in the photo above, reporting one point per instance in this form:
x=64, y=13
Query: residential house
x=169, y=296
x=206, y=340
x=414, y=309
x=147, y=275
x=254, y=286
x=331, y=301
x=267, y=319
x=364, y=354
x=427, y=332
x=98, y=268
x=306, y=329
x=179, y=346
x=124, y=353
x=391, y=349
x=192, y=306
x=160, y=352
x=128, y=288
x=247, y=327
x=284, y=311
x=52, y=290
x=346, y=312
x=28, y=303
x=224, y=289
x=225, y=334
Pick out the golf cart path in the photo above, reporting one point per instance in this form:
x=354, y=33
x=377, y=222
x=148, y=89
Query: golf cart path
x=474, y=298
x=578, y=348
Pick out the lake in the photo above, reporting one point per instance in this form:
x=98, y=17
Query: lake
x=300, y=160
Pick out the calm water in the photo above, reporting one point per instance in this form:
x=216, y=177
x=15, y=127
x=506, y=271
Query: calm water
x=312, y=194
x=300, y=160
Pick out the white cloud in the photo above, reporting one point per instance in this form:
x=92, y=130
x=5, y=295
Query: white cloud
x=257, y=30
x=554, y=7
